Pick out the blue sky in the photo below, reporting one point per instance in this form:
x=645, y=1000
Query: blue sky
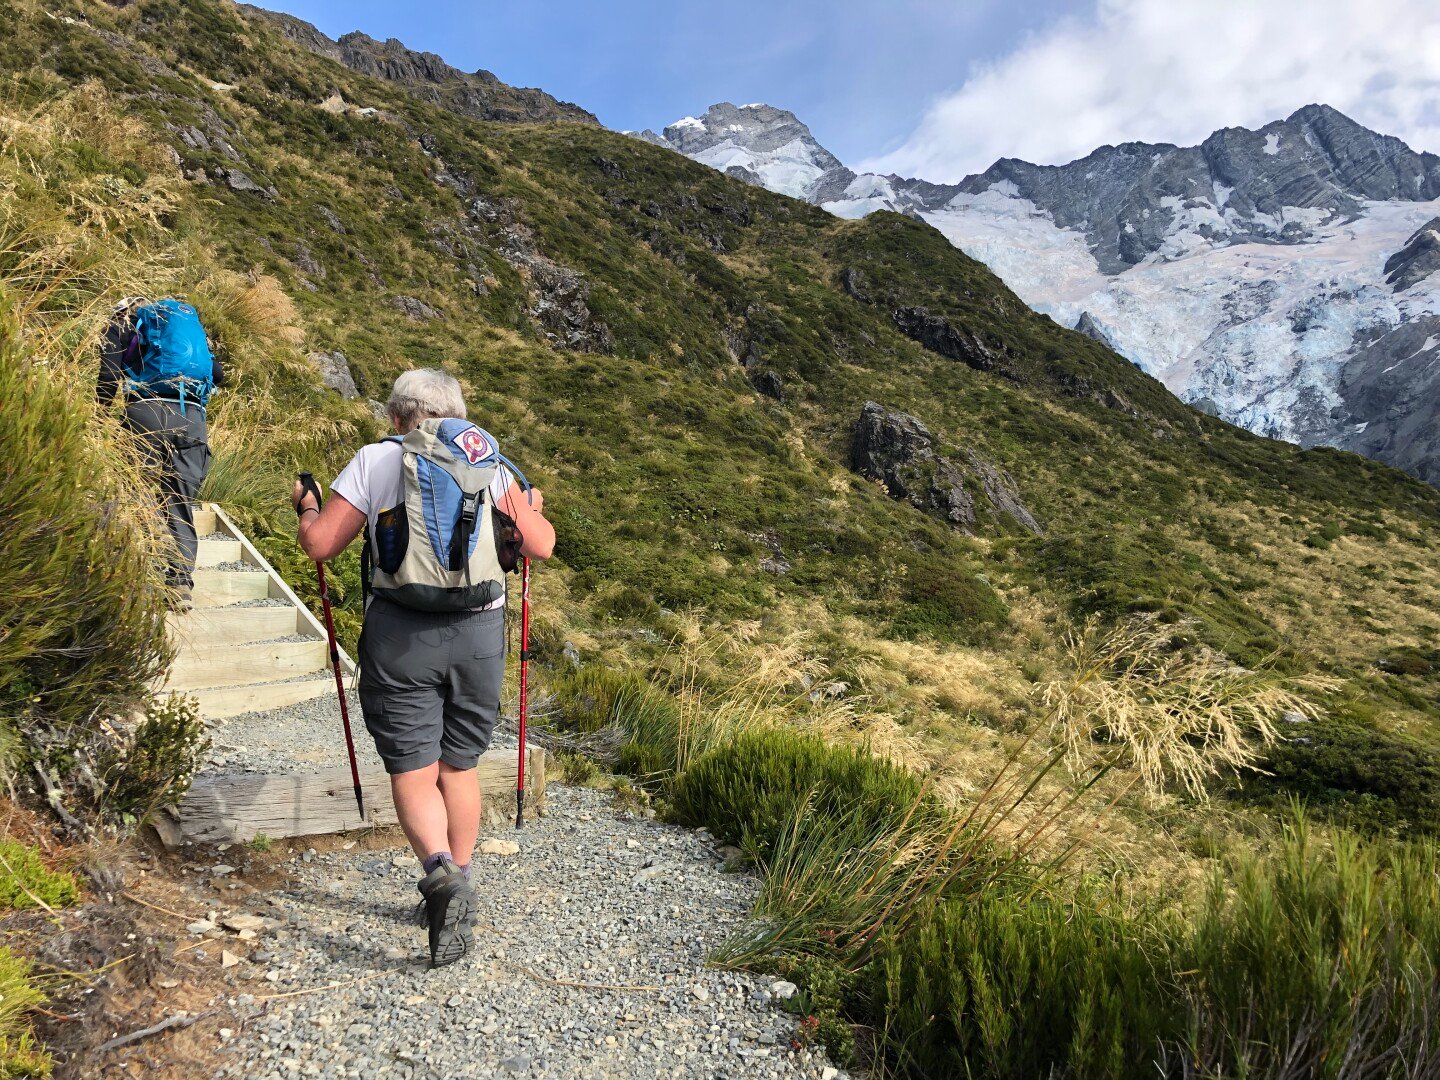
x=859, y=72
x=939, y=90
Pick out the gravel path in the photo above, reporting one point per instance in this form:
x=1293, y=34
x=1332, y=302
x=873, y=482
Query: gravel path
x=627, y=908
x=305, y=737
x=623, y=909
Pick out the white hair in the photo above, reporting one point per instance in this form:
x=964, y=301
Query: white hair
x=423, y=394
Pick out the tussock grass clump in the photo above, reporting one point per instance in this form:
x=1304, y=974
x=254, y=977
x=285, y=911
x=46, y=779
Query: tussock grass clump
x=82, y=630
x=1181, y=713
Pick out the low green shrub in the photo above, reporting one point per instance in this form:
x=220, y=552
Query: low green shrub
x=1298, y=964
x=20, y=1055
x=1364, y=778
x=576, y=770
x=25, y=881
x=947, y=604
x=1318, y=957
x=748, y=787
x=1006, y=983
x=586, y=697
x=155, y=765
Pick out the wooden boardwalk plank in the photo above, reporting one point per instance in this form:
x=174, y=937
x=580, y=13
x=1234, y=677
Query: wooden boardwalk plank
x=233, y=809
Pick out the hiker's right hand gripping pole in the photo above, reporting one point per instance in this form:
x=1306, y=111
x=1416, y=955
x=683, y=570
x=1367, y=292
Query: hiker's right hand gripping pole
x=308, y=486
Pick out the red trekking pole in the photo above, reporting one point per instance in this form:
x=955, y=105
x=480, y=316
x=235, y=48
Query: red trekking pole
x=307, y=482
x=524, y=686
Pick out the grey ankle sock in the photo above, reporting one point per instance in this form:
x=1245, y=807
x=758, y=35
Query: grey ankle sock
x=464, y=870
x=428, y=865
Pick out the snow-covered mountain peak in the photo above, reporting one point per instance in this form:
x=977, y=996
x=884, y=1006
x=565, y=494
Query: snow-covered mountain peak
x=760, y=144
x=1286, y=278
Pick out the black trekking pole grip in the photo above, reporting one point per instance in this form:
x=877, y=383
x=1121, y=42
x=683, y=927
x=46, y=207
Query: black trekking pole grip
x=309, y=487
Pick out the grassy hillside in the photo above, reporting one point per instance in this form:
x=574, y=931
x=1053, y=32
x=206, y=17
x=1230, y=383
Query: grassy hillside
x=681, y=361
x=598, y=296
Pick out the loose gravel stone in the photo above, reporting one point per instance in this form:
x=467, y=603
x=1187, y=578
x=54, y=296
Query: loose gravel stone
x=576, y=972
x=237, y=566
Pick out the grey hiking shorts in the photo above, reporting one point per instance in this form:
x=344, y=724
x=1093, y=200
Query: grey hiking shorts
x=430, y=683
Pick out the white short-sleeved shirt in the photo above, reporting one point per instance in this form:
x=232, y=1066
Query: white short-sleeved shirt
x=374, y=481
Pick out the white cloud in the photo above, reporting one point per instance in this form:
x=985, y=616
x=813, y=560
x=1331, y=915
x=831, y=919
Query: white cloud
x=1175, y=70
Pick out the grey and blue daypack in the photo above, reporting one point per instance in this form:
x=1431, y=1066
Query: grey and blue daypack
x=447, y=547
x=173, y=358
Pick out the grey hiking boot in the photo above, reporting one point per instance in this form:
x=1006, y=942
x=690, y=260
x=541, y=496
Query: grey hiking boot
x=449, y=908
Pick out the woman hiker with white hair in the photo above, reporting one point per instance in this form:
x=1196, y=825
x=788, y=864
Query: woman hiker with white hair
x=432, y=659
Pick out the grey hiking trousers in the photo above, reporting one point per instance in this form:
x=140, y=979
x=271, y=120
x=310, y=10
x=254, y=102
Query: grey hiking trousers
x=176, y=451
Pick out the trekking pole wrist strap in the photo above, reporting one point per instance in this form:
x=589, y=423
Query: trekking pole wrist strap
x=308, y=486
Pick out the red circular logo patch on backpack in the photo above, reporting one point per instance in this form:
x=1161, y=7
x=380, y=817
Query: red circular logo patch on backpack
x=473, y=445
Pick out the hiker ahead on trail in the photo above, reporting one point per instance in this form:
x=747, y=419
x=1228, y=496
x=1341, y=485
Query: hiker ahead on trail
x=445, y=518
x=158, y=356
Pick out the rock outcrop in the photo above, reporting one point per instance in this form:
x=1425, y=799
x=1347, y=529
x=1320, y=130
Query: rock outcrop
x=1417, y=260
x=335, y=372
x=896, y=449
x=899, y=451
x=478, y=94
x=939, y=335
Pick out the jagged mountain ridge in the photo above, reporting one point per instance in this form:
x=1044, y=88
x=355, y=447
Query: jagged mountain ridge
x=1262, y=275
x=479, y=94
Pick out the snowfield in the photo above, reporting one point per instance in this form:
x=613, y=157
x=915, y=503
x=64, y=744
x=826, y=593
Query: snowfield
x=1256, y=332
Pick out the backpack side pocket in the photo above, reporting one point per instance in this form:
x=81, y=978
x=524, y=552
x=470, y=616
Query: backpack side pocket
x=392, y=539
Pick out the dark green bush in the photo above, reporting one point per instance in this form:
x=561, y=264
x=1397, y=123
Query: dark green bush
x=947, y=604
x=1365, y=778
x=746, y=788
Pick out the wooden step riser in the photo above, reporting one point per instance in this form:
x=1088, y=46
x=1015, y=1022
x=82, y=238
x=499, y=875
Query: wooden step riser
x=214, y=552
x=206, y=628
x=217, y=588
x=237, y=665
x=218, y=704
x=206, y=522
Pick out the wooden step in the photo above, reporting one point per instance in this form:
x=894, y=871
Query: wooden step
x=235, y=808
x=213, y=552
x=205, y=521
x=225, y=701
x=235, y=625
x=202, y=667
x=217, y=588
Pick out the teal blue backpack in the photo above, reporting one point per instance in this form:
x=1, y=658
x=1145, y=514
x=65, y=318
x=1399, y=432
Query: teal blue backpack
x=173, y=356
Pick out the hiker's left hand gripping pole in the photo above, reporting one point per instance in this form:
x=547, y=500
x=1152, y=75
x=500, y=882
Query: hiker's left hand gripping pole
x=307, y=482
